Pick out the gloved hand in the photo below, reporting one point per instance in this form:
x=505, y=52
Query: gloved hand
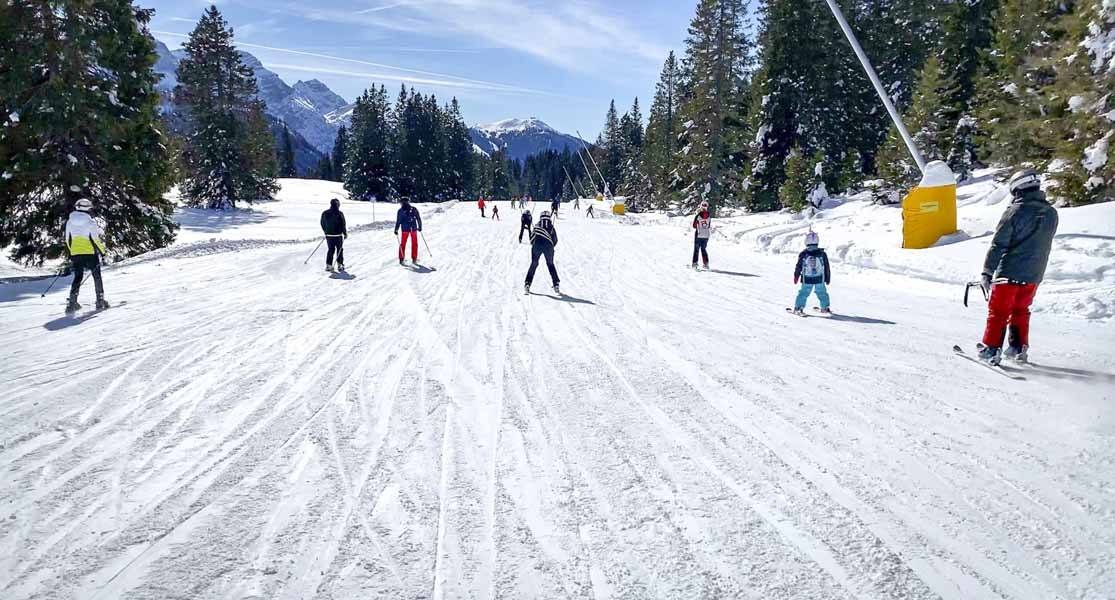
x=985, y=283
x=795, y=280
x=346, y=236
x=396, y=232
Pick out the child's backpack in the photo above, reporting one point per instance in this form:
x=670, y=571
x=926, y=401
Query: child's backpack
x=813, y=266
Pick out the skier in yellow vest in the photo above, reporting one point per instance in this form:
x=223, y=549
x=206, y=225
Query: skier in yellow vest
x=83, y=240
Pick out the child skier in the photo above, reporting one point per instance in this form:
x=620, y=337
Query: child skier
x=702, y=231
x=336, y=232
x=813, y=272
x=83, y=240
x=495, y=212
x=410, y=222
x=526, y=221
x=543, y=239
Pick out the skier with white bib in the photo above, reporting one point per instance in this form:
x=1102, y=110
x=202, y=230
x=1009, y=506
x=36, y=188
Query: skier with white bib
x=1015, y=266
x=544, y=240
x=83, y=240
x=702, y=231
x=813, y=272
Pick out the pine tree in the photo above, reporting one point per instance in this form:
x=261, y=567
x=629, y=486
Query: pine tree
x=324, y=169
x=458, y=153
x=714, y=131
x=340, y=154
x=966, y=36
x=230, y=155
x=928, y=123
x=631, y=127
x=799, y=177
x=368, y=173
x=79, y=120
x=660, y=145
x=286, y=155
x=610, y=150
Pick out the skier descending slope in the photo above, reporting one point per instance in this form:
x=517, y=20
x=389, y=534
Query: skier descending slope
x=83, y=240
x=544, y=240
x=410, y=222
x=481, y=204
x=525, y=224
x=813, y=272
x=1015, y=266
x=336, y=232
x=702, y=230
x=555, y=206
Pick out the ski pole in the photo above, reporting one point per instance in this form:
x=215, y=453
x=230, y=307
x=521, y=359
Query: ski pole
x=427, y=245
x=307, y=261
x=53, y=281
x=968, y=288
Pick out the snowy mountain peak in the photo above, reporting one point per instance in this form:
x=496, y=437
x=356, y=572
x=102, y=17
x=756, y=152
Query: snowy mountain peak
x=517, y=126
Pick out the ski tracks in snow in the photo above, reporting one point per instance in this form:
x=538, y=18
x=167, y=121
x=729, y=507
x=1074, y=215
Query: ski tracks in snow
x=660, y=433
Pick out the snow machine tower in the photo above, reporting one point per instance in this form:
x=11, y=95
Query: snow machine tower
x=929, y=210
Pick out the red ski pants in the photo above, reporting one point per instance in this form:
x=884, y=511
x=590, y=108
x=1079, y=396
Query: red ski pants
x=1009, y=307
x=413, y=235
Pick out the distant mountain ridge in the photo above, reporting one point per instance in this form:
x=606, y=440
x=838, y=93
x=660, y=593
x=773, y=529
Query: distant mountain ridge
x=521, y=138
x=315, y=113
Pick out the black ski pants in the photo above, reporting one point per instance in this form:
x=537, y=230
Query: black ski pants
x=524, y=229
x=337, y=247
x=537, y=252
x=700, y=245
x=80, y=263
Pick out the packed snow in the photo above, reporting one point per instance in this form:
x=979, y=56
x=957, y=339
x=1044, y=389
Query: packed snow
x=242, y=425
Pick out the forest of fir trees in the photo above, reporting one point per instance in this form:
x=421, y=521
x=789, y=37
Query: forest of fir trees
x=751, y=117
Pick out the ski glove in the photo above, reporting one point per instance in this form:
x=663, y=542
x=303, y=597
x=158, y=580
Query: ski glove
x=795, y=279
x=985, y=283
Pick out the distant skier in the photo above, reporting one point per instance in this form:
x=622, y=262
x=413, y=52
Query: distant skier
x=513, y=199
x=702, y=231
x=480, y=203
x=576, y=204
x=555, y=206
x=410, y=222
x=591, y=212
x=336, y=232
x=1015, y=266
x=544, y=240
x=814, y=274
x=83, y=240
x=495, y=212
x=525, y=224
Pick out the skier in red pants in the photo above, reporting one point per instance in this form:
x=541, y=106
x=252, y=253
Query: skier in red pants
x=410, y=222
x=1015, y=266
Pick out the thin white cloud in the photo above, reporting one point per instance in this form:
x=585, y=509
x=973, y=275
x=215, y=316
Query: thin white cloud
x=576, y=35
x=375, y=9
x=425, y=74
x=380, y=76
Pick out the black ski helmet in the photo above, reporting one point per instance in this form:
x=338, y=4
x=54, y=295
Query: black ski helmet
x=335, y=203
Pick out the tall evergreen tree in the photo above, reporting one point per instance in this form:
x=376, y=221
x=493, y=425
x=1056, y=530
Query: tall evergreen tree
x=611, y=147
x=718, y=49
x=286, y=155
x=967, y=31
x=660, y=144
x=459, y=152
x=340, y=155
x=368, y=174
x=229, y=155
x=79, y=120
x=631, y=126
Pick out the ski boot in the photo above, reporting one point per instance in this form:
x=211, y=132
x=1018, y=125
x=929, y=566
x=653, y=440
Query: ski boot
x=102, y=304
x=1018, y=355
x=526, y=288
x=695, y=268
x=825, y=311
x=799, y=311
x=991, y=355
x=706, y=267
x=340, y=267
x=72, y=306
x=329, y=269
x=557, y=289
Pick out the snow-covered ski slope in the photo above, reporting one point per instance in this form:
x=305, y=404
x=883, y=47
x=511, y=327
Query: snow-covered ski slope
x=249, y=427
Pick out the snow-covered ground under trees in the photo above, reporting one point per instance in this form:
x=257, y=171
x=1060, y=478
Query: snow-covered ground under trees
x=243, y=426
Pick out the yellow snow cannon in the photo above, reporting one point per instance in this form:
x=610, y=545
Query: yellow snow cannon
x=619, y=207
x=929, y=210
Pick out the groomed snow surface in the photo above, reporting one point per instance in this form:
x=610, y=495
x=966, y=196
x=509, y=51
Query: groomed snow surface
x=240, y=425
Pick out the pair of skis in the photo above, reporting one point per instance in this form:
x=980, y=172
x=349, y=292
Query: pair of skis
x=816, y=309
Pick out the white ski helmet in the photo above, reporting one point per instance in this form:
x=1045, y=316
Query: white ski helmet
x=545, y=215
x=704, y=205
x=812, y=239
x=1023, y=180
x=84, y=205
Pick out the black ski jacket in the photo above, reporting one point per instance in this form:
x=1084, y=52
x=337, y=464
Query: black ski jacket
x=333, y=222
x=527, y=219
x=544, y=233
x=1020, y=249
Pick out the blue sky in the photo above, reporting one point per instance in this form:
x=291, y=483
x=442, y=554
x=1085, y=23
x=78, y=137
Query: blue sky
x=558, y=60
